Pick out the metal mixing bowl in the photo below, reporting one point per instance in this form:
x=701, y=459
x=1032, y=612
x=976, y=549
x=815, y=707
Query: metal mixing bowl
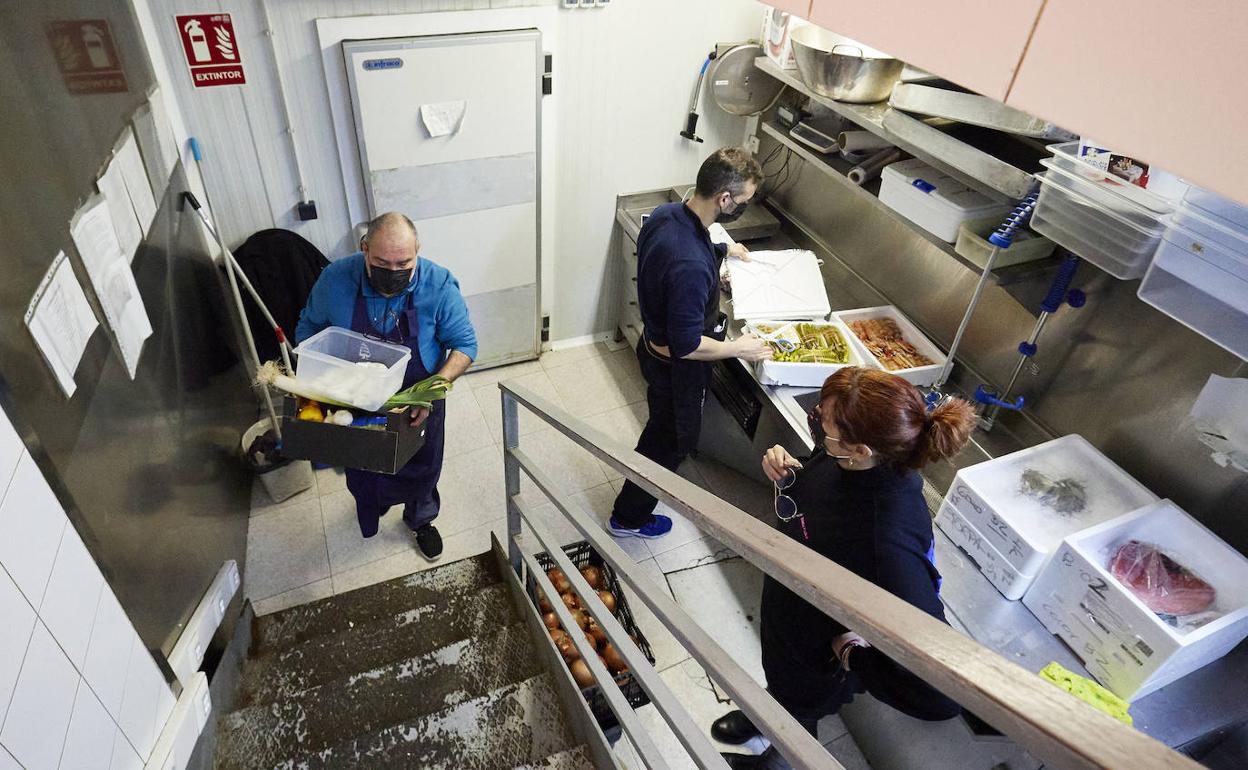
x=843, y=69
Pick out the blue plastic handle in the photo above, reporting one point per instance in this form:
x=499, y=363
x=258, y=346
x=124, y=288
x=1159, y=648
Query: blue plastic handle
x=195, y=151
x=1003, y=237
x=985, y=397
x=1061, y=284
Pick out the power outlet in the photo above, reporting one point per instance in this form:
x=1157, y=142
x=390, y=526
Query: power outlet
x=572, y=3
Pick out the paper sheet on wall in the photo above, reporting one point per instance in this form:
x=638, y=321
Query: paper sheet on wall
x=135, y=176
x=156, y=142
x=112, y=279
x=1220, y=415
x=443, y=118
x=60, y=319
x=120, y=210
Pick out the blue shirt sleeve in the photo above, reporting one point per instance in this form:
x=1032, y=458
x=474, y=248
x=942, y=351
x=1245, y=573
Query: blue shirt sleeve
x=688, y=288
x=316, y=314
x=453, y=326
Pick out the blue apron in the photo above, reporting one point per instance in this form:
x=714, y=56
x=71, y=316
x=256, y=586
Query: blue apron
x=415, y=485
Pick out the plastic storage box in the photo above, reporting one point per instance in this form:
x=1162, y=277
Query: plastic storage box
x=1116, y=244
x=1199, y=277
x=1125, y=645
x=973, y=244
x=934, y=201
x=1024, y=503
x=1065, y=158
x=919, y=375
x=330, y=364
x=805, y=375
x=1226, y=212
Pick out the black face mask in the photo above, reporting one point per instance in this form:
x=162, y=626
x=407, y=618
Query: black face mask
x=726, y=217
x=389, y=282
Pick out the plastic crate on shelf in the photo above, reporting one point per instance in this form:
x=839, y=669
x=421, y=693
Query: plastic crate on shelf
x=582, y=554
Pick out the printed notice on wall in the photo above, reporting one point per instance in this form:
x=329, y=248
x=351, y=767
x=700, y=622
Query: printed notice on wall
x=61, y=321
x=87, y=56
x=112, y=279
x=211, y=49
x=156, y=143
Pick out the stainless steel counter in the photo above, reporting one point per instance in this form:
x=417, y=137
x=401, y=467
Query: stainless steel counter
x=1199, y=704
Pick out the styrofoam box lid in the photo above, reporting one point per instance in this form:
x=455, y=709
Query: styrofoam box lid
x=1110, y=490
x=1069, y=153
x=1187, y=542
x=778, y=284
x=1236, y=214
x=949, y=193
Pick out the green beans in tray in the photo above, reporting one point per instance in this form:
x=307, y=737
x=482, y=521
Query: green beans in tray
x=816, y=344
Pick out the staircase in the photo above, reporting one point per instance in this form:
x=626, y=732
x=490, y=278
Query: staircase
x=438, y=669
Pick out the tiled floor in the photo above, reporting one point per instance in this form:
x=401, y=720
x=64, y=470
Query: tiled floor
x=309, y=547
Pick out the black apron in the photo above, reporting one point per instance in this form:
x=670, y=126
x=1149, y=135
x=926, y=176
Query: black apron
x=416, y=483
x=689, y=379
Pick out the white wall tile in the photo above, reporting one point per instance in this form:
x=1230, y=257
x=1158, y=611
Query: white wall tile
x=91, y=733
x=73, y=593
x=165, y=701
x=124, y=756
x=19, y=621
x=11, y=449
x=38, y=718
x=142, y=697
x=108, y=655
x=7, y=762
x=31, y=522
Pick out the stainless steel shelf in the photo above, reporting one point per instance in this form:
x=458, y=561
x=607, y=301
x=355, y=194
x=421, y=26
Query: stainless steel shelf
x=979, y=169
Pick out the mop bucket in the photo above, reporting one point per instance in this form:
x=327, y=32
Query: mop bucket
x=281, y=479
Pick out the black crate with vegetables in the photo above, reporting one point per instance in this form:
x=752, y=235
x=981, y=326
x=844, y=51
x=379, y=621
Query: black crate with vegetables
x=381, y=442
x=600, y=575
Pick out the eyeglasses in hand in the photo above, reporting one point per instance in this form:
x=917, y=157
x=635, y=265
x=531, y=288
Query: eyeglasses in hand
x=785, y=506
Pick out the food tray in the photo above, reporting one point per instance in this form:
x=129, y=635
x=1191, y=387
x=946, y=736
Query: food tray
x=919, y=375
x=1125, y=645
x=797, y=374
x=582, y=554
x=1104, y=196
x=329, y=365
x=973, y=244
x=1026, y=530
x=1065, y=158
x=1108, y=241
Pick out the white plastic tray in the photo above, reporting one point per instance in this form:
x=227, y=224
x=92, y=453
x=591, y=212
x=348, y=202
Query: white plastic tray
x=919, y=375
x=1126, y=646
x=1023, y=529
x=806, y=375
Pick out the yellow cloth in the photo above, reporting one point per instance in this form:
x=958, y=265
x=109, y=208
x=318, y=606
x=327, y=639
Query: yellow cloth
x=1088, y=691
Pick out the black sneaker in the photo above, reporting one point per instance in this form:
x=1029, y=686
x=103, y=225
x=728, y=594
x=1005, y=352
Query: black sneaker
x=733, y=728
x=430, y=541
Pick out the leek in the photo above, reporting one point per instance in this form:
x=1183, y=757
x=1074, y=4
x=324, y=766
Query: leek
x=422, y=394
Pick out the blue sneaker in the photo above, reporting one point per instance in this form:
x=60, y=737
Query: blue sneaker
x=657, y=528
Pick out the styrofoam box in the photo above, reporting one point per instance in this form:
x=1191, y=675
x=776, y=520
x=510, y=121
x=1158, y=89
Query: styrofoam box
x=331, y=356
x=807, y=375
x=1021, y=528
x=933, y=200
x=1126, y=646
x=1004, y=577
x=919, y=375
x=1199, y=277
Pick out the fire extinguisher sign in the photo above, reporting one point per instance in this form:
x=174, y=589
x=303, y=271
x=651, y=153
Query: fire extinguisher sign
x=211, y=49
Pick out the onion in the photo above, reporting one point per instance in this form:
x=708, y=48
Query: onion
x=592, y=575
x=608, y=599
x=567, y=649
x=556, y=634
x=570, y=601
x=600, y=636
x=550, y=619
x=582, y=618
x=580, y=672
x=614, y=660
x=543, y=603
x=559, y=580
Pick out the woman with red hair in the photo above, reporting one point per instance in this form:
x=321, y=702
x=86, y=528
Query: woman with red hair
x=858, y=501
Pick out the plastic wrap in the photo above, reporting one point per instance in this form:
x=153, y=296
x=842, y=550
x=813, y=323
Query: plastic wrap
x=1164, y=586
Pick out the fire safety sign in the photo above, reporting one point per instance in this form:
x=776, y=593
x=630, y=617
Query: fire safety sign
x=87, y=56
x=211, y=49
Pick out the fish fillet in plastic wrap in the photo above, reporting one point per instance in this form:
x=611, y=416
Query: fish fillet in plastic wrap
x=1165, y=586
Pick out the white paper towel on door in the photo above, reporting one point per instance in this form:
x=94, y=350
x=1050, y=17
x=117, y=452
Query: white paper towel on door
x=1221, y=418
x=443, y=118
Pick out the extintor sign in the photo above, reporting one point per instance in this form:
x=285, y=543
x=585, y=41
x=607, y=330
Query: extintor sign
x=211, y=49
x=86, y=56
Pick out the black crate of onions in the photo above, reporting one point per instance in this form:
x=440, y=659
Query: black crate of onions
x=599, y=575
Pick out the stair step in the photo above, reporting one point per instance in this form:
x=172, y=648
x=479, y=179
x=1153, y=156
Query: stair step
x=372, y=603
x=260, y=736
x=409, y=634
x=518, y=723
x=575, y=758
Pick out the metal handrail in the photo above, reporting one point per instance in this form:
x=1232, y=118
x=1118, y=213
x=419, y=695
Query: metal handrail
x=1051, y=724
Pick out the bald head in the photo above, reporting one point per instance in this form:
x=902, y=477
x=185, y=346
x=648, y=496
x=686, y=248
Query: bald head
x=391, y=242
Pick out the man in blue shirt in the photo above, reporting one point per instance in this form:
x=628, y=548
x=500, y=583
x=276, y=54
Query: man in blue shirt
x=386, y=292
x=678, y=294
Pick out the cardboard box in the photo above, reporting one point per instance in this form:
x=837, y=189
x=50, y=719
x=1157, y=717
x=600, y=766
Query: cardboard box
x=778, y=26
x=1125, y=645
x=369, y=449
